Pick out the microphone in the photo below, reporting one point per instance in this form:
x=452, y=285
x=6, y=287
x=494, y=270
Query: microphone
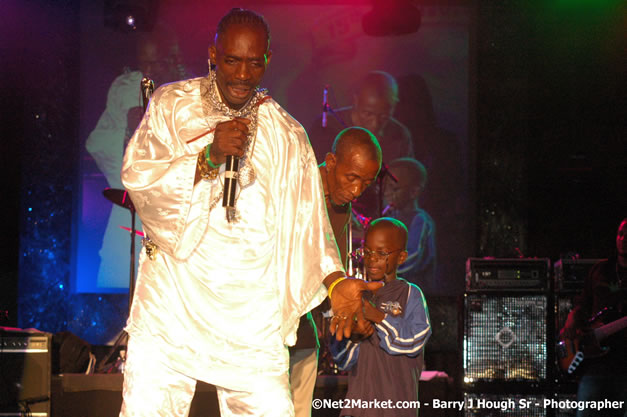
x=325, y=105
x=147, y=87
x=231, y=169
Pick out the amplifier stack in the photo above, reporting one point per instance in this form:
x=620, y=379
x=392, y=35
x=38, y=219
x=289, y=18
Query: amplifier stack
x=513, y=311
x=570, y=275
x=25, y=373
x=494, y=274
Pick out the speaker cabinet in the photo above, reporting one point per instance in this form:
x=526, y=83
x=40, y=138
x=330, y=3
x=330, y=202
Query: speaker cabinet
x=505, y=338
x=571, y=274
x=504, y=405
x=503, y=274
x=25, y=361
x=519, y=405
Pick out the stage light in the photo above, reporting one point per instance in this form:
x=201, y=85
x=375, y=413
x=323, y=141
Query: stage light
x=130, y=20
x=391, y=18
x=130, y=15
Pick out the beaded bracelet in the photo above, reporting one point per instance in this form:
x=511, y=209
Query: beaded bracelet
x=207, y=172
x=208, y=157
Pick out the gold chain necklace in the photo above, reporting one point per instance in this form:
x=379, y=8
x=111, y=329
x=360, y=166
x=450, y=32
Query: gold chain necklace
x=212, y=103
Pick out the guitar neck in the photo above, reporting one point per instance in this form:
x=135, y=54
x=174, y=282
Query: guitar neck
x=610, y=328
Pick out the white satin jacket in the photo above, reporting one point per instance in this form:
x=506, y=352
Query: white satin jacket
x=225, y=299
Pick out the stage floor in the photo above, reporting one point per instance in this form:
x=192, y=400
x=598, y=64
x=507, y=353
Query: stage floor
x=100, y=395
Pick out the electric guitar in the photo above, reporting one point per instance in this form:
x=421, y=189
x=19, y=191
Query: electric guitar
x=572, y=352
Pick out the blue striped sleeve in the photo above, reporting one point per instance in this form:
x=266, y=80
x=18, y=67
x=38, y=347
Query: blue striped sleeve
x=406, y=334
x=345, y=353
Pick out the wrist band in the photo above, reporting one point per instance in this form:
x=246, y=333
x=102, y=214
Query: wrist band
x=337, y=281
x=208, y=158
x=206, y=172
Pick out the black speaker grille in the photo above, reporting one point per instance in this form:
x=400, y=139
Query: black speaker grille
x=505, y=338
x=25, y=374
x=503, y=405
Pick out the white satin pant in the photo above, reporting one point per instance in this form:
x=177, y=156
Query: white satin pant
x=153, y=389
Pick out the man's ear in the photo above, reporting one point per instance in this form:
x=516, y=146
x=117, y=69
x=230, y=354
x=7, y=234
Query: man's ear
x=212, y=54
x=331, y=160
x=268, y=57
x=402, y=257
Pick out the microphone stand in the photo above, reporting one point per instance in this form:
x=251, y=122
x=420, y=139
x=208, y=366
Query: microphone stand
x=122, y=339
x=356, y=256
x=131, y=281
x=326, y=108
x=334, y=114
x=147, y=87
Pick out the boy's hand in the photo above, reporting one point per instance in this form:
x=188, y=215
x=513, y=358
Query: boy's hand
x=358, y=337
x=363, y=328
x=372, y=313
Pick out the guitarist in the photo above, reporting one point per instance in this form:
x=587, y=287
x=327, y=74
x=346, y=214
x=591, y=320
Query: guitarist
x=603, y=377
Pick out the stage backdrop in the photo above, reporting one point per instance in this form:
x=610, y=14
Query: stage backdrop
x=313, y=46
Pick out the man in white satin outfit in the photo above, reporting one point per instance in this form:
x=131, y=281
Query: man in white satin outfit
x=217, y=299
